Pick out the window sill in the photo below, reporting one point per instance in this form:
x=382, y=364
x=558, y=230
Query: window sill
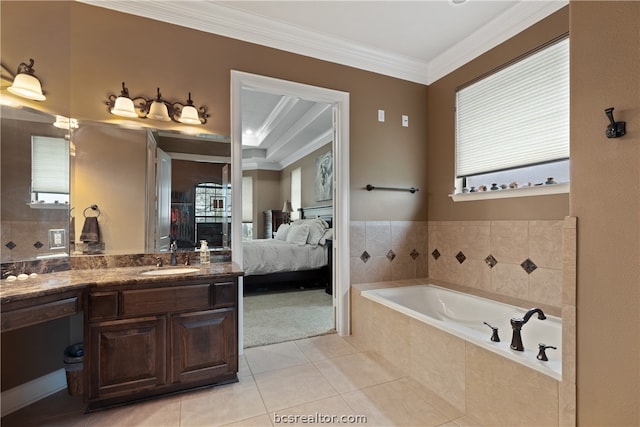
x=48, y=205
x=538, y=190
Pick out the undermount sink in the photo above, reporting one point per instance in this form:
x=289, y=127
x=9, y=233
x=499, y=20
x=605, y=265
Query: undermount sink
x=169, y=271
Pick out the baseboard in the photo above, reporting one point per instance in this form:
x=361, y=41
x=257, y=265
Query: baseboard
x=25, y=394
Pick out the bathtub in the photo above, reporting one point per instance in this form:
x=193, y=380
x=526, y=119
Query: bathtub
x=463, y=315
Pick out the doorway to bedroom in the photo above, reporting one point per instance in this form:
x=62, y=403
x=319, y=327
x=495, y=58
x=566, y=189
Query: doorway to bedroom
x=290, y=137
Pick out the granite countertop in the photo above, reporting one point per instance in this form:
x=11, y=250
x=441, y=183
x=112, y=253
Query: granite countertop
x=53, y=283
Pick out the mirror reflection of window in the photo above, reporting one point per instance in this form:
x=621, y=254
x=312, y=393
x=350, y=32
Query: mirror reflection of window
x=210, y=212
x=50, y=170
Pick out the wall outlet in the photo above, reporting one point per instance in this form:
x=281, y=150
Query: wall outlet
x=381, y=115
x=405, y=121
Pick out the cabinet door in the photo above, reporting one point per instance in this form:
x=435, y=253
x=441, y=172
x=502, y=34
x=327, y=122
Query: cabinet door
x=127, y=356
x=204, y=345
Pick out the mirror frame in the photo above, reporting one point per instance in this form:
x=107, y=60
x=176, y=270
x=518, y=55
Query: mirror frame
x=341, y=207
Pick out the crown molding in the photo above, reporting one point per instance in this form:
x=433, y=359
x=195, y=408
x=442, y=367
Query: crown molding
x=229, y=22
x=515, y=20
x=226, y=21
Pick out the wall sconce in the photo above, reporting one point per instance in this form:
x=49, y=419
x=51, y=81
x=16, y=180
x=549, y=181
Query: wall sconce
x=26, y=84
x=156, y=109
x=615, y=129
x=287, y=209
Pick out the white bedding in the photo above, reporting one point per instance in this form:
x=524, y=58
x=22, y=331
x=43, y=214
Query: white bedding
x=264, y=256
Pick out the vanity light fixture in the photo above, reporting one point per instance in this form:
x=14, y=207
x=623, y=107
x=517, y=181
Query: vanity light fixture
x=63, y=122
x=156, y=109
x=26, y=84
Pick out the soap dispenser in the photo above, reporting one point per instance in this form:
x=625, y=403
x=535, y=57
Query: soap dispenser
x=205, y=256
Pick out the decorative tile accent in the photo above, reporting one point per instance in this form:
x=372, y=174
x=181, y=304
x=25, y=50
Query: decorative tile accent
x=491, y=261
x=435, y=254
x=365, y=256
x=10, y=244
x=460, y=257
x=391, y=255
x=414, y=254
x=38, y=244
x=528, y=266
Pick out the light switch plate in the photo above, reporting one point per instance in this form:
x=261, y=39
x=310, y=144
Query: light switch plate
x=381, y=115
x=405, y=121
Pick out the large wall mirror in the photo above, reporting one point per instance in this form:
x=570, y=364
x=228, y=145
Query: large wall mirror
x=148, y=188
x=145, y=187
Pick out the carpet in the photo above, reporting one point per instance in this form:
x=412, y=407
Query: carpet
x=272, y=318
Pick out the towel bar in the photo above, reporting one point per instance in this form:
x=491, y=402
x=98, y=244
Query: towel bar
x=370, y=187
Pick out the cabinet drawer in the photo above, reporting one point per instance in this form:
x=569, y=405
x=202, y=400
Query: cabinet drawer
x=39, y=312
x=224, y=294
x=165, y=300
x=103, y=305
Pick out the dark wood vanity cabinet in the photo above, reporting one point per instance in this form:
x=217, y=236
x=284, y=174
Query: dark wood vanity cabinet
x=147, y=341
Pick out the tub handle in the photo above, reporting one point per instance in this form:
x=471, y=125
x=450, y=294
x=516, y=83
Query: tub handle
x=494, y=335
x=542, y=355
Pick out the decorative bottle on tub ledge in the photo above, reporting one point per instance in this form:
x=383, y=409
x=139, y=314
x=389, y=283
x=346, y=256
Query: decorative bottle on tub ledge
x=205, y=256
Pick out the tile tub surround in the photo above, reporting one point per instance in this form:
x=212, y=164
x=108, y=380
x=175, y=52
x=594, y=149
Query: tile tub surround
x=484, y=386
x=521, y=259
x=387, y=250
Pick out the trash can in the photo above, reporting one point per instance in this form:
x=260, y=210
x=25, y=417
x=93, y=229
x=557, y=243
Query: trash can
x=73, y=366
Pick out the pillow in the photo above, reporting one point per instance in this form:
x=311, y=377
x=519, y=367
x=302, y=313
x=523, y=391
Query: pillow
x=317, y=227
x=298, y=234
x=327, y=235
x=282, y=232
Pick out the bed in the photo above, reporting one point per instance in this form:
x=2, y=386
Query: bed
x=299, y=254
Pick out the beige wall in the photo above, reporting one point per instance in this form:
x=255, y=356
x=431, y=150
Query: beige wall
x=266, y=195
x=605, y=196
x=128, y=55
x=308, y=177
x=186, y=174
x=120, y=196
x=441, y=148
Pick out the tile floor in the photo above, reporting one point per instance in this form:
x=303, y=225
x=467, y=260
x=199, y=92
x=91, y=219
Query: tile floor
x=321, y=376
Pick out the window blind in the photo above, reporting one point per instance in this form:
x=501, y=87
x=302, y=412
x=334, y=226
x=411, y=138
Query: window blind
x=518, y=116
x=296, y=192
x=247, y=199
x=49, y=165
